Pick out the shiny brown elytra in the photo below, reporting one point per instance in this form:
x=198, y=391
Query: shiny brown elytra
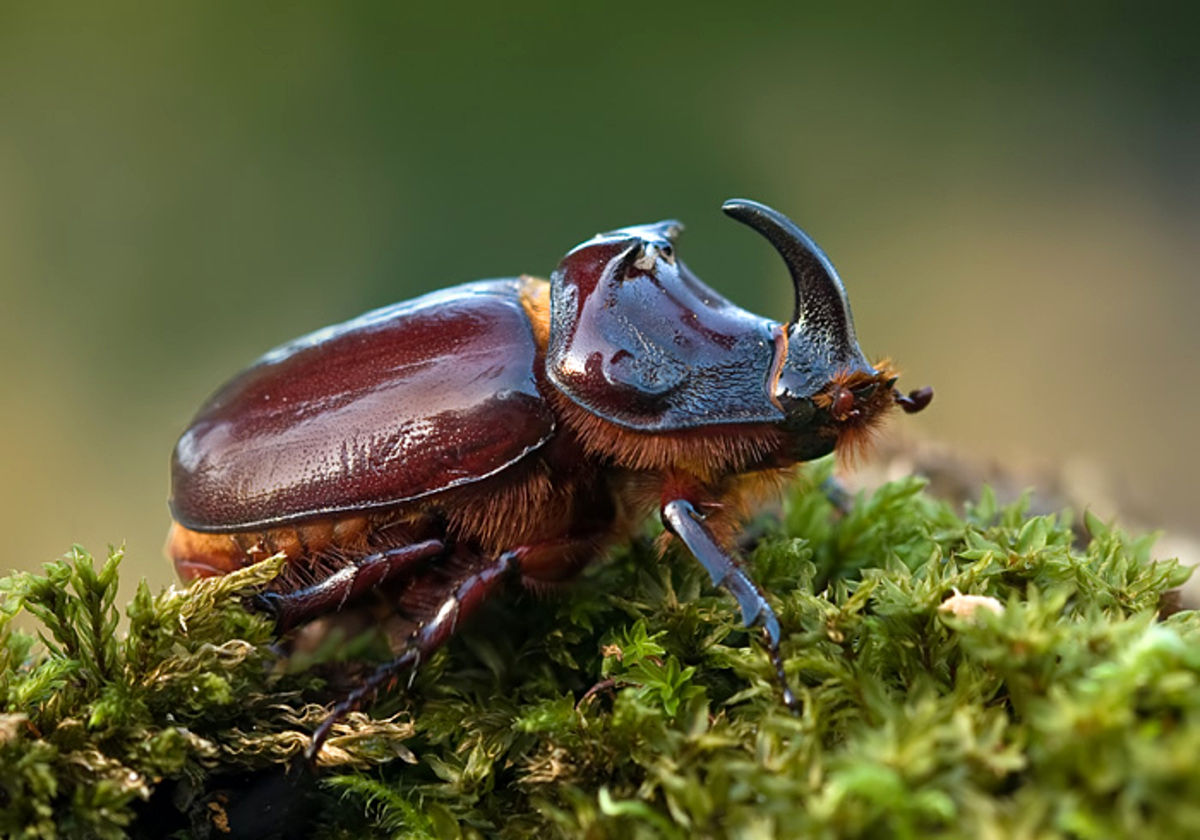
x=516, y=428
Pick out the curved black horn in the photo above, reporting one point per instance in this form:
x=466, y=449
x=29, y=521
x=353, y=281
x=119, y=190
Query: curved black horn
x=821, y=306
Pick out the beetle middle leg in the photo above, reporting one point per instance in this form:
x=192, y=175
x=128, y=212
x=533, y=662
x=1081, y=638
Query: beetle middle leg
x=685, y=522
x=464, y=599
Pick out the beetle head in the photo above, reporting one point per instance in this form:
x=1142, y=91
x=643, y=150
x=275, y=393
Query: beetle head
x=825, y=385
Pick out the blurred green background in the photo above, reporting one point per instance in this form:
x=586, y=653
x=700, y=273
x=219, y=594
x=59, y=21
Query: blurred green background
x=1010, y=193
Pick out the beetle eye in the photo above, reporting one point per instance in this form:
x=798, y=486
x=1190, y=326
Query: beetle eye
x=842, y=405
x=667, y=251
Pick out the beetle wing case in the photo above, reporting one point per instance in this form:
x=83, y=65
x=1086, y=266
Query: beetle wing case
x=396, y=404
x=637, y=339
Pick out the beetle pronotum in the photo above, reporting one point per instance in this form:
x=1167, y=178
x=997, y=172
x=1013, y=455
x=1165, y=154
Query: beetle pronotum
x=515, y=428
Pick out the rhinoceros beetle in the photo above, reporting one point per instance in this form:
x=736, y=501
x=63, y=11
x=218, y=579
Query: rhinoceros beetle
x=515, y=428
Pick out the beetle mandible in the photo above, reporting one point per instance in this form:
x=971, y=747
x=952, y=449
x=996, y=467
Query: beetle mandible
x=516, y=428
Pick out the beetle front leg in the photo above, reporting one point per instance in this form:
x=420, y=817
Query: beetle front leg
x=466, y=597
x=685, y=522
x=838, y=495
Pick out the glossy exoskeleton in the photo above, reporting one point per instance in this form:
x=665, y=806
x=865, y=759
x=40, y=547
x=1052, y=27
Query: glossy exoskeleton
x=516, y=428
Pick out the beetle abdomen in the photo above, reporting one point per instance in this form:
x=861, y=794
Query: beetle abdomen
x=203, y=555
x=394, y=405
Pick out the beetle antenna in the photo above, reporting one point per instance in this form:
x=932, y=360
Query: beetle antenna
x=821, y=305
x=914, y=401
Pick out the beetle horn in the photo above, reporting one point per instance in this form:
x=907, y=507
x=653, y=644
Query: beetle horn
x=821, y=310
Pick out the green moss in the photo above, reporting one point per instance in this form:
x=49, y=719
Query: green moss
x=634, y=705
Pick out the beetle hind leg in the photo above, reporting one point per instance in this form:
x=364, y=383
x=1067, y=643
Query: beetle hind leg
x=347, y=584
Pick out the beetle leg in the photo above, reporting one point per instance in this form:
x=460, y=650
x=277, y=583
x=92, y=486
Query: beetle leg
x=346, y=584
x=470, y=592
x=685, y=522
x=837, y=494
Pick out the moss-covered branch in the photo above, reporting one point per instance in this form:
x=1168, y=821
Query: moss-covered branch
x=633, y=705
